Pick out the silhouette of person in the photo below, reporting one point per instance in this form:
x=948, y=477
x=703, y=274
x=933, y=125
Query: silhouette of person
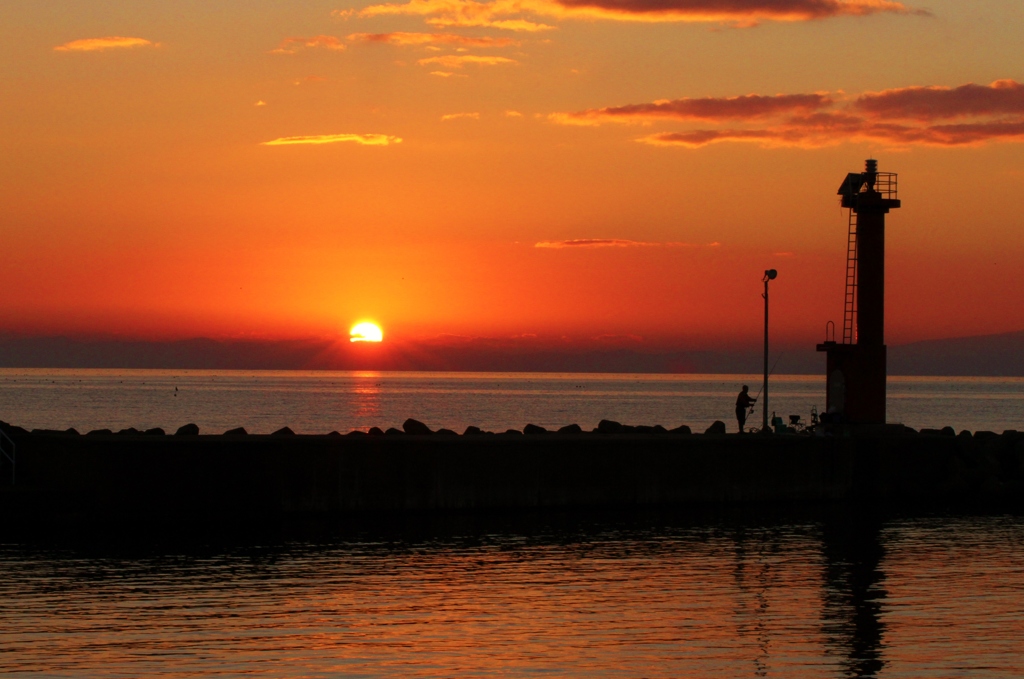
x=743, y=401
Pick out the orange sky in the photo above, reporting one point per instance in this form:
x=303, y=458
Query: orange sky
x=569, y=167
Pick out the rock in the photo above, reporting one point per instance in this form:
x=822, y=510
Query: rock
x=628, y=429
x=71, y=431
x=717, y=427
x=533, y=430
x=681, y=429
x=375, y=431
x=284, y=431
x=53, y=432
x=337, y=433
x=571, y=429
x=658, y=429
x=472, y=431
x=609, y=427
x=982, y=435
x=513, y=432
x=643, y=429
x=415, y=427
x=391, y=431
x=130, y=431
x=155, y=431
x=445, y=432
x=355, y=433
x=100, y=432
x=948, y=431
x=965, y=434
x=188, y=430
x=238, y=431
x=930, y=432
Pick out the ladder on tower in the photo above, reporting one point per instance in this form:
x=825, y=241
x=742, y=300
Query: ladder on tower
x=850, y=301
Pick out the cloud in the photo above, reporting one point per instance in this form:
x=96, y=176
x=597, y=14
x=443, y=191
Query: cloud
x=457, y=116
x=260, y=103
x=746, y=107
x=512, y=14
x=740, y=12
x=618, y=339
x=458, y=61
x=362, y=139
x=294, y=45
x=103, y=44
x=513, y=114
x=462, y=13
x=1003, y=97
x=961, y=134
x=929, y=116
x=447, y=74
x=612, y=243
x=402, y=38
x=805, y=133
x=696, y=138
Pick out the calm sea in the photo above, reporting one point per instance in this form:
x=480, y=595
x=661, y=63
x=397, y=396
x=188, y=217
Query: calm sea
x=819, y=594
x=555, y=597
x=319, y=402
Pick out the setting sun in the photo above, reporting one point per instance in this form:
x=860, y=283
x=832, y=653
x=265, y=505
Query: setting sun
x=365, y=332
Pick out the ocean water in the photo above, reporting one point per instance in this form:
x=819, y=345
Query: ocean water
x=805, y=594
x=556, y=597
x=319, y=402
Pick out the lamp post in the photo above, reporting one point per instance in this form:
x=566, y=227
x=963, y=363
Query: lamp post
x=769, y=275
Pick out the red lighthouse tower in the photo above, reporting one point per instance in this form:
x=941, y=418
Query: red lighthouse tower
x=856, y=368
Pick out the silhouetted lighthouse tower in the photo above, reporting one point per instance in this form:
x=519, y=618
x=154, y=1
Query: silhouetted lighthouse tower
x=857, y=366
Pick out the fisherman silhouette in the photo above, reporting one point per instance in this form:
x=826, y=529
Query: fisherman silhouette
x=743, y=401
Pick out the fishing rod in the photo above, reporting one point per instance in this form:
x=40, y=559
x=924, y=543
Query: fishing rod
x=772, y=372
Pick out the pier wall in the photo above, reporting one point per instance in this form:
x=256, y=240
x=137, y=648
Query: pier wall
x=320, y=474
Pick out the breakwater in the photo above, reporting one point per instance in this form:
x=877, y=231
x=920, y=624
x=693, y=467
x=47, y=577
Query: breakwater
x=190, y=474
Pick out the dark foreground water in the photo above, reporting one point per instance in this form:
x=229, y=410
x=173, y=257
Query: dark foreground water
x=562, y=596
x=318, y=402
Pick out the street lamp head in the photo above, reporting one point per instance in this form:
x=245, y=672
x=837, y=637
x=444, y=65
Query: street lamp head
x=770, y=274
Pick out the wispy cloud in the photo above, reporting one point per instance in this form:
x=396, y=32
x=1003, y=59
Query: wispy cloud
x=738, y=12
x=447, y=74
x=457, y=116
x=614, y=243
x=933, y=116
x=1003, y=97
x=362, y=139
x=103, y=44
x=746, y=107
x=294, y=45
x=460, y=60
x=462, y=13
x=402, y=38
x=520, y=15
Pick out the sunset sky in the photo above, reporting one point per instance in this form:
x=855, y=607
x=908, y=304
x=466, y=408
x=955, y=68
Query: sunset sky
x=602, y=170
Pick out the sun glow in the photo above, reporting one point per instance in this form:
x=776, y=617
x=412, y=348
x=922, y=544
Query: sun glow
x=365, y=332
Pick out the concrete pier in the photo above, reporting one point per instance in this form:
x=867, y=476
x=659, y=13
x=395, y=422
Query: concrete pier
x=65, y=475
